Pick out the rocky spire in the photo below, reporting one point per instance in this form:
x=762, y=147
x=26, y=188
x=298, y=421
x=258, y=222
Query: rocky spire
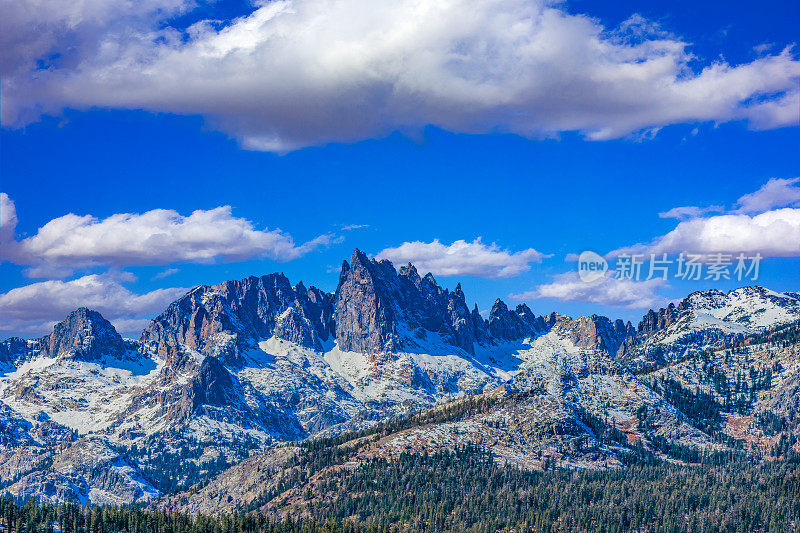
x=460, y=321
x=506, y=325
x=85, y=335
x=459, y=293
x=656, y=321
x=373, y=301
x=536, y=323
x=480, y=326
x=365, y=315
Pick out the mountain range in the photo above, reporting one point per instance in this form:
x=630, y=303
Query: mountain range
x=214, y=397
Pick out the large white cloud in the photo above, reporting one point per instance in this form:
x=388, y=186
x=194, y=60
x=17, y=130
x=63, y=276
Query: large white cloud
x=306, y=72
x=758, y=224
x=462, y=258
x=772, y=234
x=34, y=308
x=157, y=237
x=606, y=291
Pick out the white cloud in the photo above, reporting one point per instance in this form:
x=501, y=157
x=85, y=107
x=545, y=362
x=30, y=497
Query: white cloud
x=755, y=226
x=8, y=220
x=462, y=258
x=130, y=327
x=166, y=273
x=607, y=291
x=156, y=237
x=351, y=227
x=775, y=193
x=691, y=211
x=36, y=307
x=773, y=234
x=296, y=73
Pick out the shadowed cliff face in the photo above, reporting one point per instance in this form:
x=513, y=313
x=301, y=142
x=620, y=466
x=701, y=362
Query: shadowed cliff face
x=365, y=307
x=86, y=335
x=83, y=335
x=228, y=319
x=381, y=309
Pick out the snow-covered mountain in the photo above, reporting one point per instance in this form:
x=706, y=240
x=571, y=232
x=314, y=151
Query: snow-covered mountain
x=704, y=320
x=229, y=370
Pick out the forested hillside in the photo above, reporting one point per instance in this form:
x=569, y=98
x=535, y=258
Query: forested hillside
x=467, y=491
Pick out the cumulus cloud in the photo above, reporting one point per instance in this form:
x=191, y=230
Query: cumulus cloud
x=462, y=258
x=759, y=224
x=609, y=290
x=772, y=234
x=295, y=73
x=36, y=307
x=157, y=237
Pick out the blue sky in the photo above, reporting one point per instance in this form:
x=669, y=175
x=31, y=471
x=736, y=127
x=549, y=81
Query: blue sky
x=594, y=175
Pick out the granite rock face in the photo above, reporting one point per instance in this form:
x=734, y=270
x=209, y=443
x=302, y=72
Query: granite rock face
x=510, y=325
x=83, y=335
x=229, y=319
x=655, y=321
x=380, y=309
x=593, y=332
x=212, y=386
x=366, y=306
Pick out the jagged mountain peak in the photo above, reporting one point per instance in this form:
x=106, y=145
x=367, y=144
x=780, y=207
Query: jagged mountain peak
x=459, y=293
x=380, y=309
x=85, y=334
x=706, y=319
x=230, y=318
x=409, y=271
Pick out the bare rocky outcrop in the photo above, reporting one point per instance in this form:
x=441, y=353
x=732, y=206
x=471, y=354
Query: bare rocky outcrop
x=657, y=320
x=380, y=309
x=83, y=335
x=88, y=466
x=212, y=386
x=365, y=308
x=228, y=319
x=13, y=350
x=509, y=325
x=594, y=332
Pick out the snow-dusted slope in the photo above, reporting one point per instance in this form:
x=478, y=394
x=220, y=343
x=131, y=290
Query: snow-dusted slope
x=704, y=320
x=750, y=307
